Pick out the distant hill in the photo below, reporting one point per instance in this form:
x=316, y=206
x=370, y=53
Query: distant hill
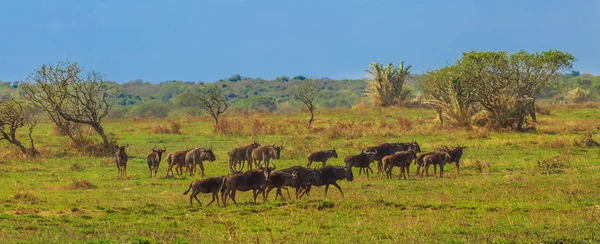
x=173, y=98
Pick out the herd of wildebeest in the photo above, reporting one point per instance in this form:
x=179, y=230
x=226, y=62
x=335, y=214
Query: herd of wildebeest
x=262, y=176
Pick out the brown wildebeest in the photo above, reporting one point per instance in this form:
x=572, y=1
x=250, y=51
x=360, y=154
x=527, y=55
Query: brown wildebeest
x=401, y=159
x=329, y=175
x=264, y=154
x=419, y=162
x=209, y=185
x=176, y=158
x=255, y=180
x=195, y=156
x=121, y=160
x=440, y=158
x=321, y=156
x=361, y=161
x=386, y=149
x=243, y=154
x=153, y=160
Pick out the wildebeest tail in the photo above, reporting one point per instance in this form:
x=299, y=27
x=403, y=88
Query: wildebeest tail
x=188, y=190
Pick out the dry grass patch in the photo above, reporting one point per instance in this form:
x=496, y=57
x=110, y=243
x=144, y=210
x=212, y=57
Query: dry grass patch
x=81, y=184
x=168, y=127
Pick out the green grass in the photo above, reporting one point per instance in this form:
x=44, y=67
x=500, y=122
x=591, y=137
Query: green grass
x=64, y=197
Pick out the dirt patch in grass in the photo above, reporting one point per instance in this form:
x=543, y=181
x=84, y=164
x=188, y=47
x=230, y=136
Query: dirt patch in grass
x=81, y=184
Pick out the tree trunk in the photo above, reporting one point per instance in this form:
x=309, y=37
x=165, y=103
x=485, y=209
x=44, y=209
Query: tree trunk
x=312, y=118
x=100, y=130
x=440, y=117
x=532, y=111
x=216, y=120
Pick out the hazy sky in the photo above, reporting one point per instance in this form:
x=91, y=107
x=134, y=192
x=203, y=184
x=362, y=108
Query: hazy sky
x=209, y=40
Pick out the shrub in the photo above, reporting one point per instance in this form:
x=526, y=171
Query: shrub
x=170, y=127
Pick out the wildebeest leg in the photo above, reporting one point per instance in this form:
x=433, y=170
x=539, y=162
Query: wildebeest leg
x=434, y=170
x=279, y=193
x=125, y=170
x=324, y=161
x=232, y=196
x=326, y=188
x=369, y=168
x=407, y=170
x=224, y=196
x=457, y=168
x=441, y=170
x=288, y=192
x=269, y=189
x=202, y=168
x=151, y=170
x=309, y=163
x=196, y=197
x=339, y=188
x=367, y=172
x=306, y=191
x=213, y=199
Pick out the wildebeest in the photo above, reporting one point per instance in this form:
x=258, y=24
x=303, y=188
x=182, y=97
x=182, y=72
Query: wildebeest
x=455, y=155
x=279, y=179
x=195, y=156
x=303, y=179
x=153, y=160
x=329, y=175
x=121, y=160
x=209, y=185
x=321, y=156
x=255, y=180
x=400, y=159
x=176, y=158
x=419, y=161
x=264, y=154
x=361, y=161
x=240, y=154
x=386, y=149
x=439, y=158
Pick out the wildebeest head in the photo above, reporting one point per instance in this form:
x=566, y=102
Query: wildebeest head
x=158, y=150
x=414, y=145
x=370, y=154
x=267, y=172
x=122, y=148
x=348, y=173
x=255, y=144
x=277, y=152
x=210, y=156
x=334, y=153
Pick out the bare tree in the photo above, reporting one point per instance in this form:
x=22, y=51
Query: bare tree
x=305, y=92
x=67, y=93
x=212, y=99
x=13, y=117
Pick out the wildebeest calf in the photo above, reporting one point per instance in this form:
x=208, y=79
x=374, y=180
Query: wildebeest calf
x=153, y=160
x=399, y=159
x=440, y=158
x=321, y=156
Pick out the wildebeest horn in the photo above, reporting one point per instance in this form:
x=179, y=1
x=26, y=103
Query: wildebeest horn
x=274, y=166
x=374, y=151
x=273, y=144
x=154, y=148
x=164, y=148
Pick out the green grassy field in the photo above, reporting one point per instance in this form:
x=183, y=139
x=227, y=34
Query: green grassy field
x=501, y=195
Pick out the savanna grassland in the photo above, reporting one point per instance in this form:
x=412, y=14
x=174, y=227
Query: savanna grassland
x=538, y=186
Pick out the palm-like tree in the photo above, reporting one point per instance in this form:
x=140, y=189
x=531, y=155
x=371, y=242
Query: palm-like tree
x=386, y=86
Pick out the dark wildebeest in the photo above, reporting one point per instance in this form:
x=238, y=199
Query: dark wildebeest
x=304, y=178
x=386, y=149
x=208, y=185
x=329, y=175
x=239, y=155
x=361, y=161
x=255, y=180
x=176, y=158
x=153, y=160
x=455, y=155
x=264, y=154
x=278, y=180
x=195, y=156
x=321, y=156
x=400, y=159
x=439, y=158
x=121, y=160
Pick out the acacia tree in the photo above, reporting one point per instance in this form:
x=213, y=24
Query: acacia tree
x=506, y=85
x=386, y=86
x=67, y=93
x=305, y=92
x=449, y=95
x=12, y=117
x=212, y=100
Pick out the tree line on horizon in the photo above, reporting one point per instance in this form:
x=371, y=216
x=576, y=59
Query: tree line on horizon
x=503, y=87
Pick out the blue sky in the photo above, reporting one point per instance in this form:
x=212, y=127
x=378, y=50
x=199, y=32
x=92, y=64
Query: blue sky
x=209, y=40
